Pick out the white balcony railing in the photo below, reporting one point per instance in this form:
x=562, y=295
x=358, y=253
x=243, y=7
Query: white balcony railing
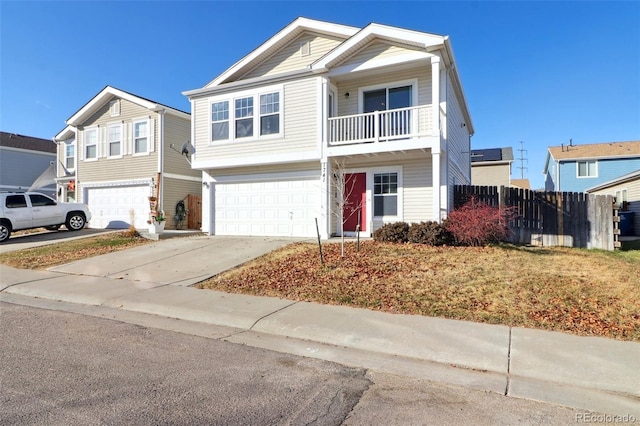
x=381, y=126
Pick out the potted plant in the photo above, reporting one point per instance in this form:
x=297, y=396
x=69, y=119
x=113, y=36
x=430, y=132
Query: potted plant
x=156, y=223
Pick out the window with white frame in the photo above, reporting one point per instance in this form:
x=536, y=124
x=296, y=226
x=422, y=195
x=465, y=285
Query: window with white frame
x=270, y=113
x=141, y=137
x=114, y=140
x=587, y=168
x=220, y=121
x=252, y=115
x=385, y=194
x=90, y=144
x=70, y=155
x=244, y=117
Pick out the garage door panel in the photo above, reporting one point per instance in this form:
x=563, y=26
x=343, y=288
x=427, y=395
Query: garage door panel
x=278, y=208
x=111, y=206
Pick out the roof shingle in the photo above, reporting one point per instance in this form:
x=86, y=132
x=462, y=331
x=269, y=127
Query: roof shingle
x=596, y=150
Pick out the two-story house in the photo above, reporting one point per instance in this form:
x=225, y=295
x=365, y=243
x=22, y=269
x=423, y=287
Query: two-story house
x=120, y=149
x=350, y=127
x=23, y=159
x=575, y=168
x=491, y=166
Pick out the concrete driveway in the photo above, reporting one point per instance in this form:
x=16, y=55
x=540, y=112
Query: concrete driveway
x=176, y=261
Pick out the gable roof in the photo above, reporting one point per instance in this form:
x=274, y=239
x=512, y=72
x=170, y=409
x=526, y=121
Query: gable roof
x=596, y=150
x=355, y=39
x=108, y=93
x=521, y=183
x=13, y=140
x=633, y=176
x=279, y=40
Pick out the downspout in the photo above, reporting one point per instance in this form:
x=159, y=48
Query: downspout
x=159, y=184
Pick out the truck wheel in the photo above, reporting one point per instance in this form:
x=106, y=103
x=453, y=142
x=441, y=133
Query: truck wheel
x=75, y=221
x=5, y=231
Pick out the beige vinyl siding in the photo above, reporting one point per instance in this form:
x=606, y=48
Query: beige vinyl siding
x=177, y=131
x=313, y=167
x=173, y=191
x=417, y=183
x=289, y=58
x=633, y=197
x=300, y=110
x=126, y=168
x=491, y=174
x=351, y=105
x=377, y=50
x=458, y=144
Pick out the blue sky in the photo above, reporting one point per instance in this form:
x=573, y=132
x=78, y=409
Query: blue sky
x=537, y=72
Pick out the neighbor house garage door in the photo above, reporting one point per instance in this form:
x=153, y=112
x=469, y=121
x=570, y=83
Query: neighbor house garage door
x=112, y=206
x=269, y=208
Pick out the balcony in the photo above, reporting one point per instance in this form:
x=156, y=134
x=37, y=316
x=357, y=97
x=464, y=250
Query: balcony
x=380, y=131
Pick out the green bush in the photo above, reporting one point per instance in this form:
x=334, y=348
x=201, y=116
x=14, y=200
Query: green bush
x=429, y=233
x=392, y=233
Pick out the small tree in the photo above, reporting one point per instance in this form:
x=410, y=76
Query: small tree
x=342, y=201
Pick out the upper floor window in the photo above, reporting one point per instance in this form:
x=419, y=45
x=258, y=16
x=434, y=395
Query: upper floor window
x=70, y=155
x=587, y=168
x=244, y=117
x=251, y=115
x=140, y=137
x=385, y=194
x=220, y=121
x=91, y=144
x=270, y=113
x=114, y=140
x=114, y=107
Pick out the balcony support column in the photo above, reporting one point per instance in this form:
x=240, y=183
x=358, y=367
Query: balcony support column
x=435, y=95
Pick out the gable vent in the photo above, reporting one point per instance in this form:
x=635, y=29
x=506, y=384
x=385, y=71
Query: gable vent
x=305, y=48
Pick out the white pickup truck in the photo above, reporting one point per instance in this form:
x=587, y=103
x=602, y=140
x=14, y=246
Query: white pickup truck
x=34, y=210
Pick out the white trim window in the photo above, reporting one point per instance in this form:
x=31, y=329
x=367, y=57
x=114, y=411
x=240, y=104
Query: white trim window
x=220, y=121
x=621, y=198
x=587, y=169
x=385, y=194
x=244, y=117
x=70, y=155
x=91, y=144
x=270, y=113
x=114, y=140
x=252, y=115
x=140, y=137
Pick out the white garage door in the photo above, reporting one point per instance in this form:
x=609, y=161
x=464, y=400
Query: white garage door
x=273, y=208
x=111, y=206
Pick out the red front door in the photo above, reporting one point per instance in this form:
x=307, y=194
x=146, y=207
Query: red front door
x=354, y=212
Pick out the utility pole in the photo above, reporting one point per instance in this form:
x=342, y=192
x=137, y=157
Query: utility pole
x=522, y=160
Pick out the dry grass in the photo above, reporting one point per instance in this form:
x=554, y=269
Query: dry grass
x=69, y=251
x=578, y=291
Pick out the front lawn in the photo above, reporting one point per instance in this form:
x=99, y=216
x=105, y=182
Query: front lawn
x=585, y=292
x=69, y=251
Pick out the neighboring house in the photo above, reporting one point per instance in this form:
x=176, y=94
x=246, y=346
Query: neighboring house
x=113, y=153
x=381, y=107
x=575, y=168
x=521, y=183
x=23, y=159
x=626, y=189
x=491, y=167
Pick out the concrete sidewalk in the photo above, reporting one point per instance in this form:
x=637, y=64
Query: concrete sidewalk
x=595, y=374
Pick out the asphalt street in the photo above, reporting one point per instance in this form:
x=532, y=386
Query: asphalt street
x=69, y=368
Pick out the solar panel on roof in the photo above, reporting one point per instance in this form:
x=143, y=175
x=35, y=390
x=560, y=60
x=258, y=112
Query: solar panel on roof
x=491, y=154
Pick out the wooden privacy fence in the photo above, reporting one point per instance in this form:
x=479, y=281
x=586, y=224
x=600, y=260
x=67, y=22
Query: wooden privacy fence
x=569, y=219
